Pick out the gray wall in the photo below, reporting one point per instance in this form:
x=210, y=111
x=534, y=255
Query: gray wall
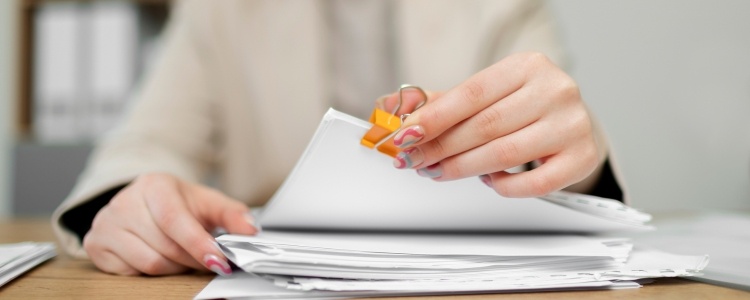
x=670, y=80
x=43, y=175
x=7, y=95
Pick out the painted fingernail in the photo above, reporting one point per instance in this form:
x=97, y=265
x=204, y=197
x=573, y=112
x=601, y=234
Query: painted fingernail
x=486, y=180
x=433, y=171
x=214, y=263
x=408, y=158
x=408, y=136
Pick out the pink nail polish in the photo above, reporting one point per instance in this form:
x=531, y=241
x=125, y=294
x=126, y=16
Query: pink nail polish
x=486, y=180
x=408, y=136
x=214, y=263
x=433, y=171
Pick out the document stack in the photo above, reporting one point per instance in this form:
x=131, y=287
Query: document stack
x=347, y=224
x=15, y=259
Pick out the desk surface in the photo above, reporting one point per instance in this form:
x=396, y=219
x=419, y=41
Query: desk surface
x=64, y=277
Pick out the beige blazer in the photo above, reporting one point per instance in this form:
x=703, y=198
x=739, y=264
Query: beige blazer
x=240, y=86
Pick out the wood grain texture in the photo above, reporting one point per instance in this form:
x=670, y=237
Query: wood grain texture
x=67, y=278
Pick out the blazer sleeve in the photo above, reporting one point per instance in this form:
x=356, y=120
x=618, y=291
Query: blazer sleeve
x=168, y=128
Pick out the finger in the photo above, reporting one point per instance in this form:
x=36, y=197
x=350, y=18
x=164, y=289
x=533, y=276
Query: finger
x=463, y=101
x=140, y=223
x=116, y=250
x=498, y=120
x=557, y=173
x=108, y=262
x=530, y=143
x=152, y=235
x=166, y=204
x=216, y=209
x=104, y=259
x=143, y=258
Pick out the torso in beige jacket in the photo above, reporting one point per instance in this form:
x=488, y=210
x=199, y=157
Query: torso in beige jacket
x=240, y=86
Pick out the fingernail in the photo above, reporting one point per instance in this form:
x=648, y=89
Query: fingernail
x=251, y=220
x=380, y=103
x=433, y=171
x=219, y=266
x=486, y=180
x=408, y=158
x=408, y=136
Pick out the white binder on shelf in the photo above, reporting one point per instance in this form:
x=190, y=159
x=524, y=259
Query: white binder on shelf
x=114, y=44
x=58, y=73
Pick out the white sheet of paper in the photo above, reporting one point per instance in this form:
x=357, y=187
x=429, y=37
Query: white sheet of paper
x=339, y=184
x=418, y=256
x=15, y=259
x=249, y=286
x=644, y=263
x=724, y=236
x=433, y=244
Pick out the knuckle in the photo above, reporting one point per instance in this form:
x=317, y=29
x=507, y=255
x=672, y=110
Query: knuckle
x=437, y=149
x=506, y=153
x=429, y=116
x=578, y=126
x=568, y=89
x=99, y=219
x=590, y=157
x=167, y=219
x=541, y=185
x=172, y=250
x=452, y=168
x=502, y=188
x=146, y=179
x=153, y=265
x=487, y=123
x=157, y=181
x=473, y=92
x=120, y=203
x=90, y=244
x=536, y=59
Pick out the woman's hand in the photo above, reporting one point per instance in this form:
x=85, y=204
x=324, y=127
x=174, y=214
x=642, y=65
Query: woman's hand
x=159, y=225
x=519, y=110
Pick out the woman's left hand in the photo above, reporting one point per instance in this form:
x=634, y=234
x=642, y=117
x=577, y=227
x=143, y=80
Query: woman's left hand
x=521, y=109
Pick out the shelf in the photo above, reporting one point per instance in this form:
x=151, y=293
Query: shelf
x=148, y=10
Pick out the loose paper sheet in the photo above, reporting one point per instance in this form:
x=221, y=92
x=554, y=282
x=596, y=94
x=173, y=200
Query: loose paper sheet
x=339, y=184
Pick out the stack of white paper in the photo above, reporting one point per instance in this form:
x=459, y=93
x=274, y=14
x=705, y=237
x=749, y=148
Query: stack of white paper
x=347, y=224
x=15, y=259
x=376, y=264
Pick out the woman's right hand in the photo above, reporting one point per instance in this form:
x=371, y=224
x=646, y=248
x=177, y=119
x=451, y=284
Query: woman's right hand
x=160, y=224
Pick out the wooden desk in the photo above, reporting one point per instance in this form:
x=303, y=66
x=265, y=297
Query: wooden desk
x=66, y=278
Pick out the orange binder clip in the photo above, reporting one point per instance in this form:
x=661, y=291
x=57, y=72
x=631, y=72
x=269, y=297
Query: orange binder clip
x=379, y=136
x=385, y=125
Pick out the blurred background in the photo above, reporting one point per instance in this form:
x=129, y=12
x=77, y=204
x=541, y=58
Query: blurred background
x=669, y=81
